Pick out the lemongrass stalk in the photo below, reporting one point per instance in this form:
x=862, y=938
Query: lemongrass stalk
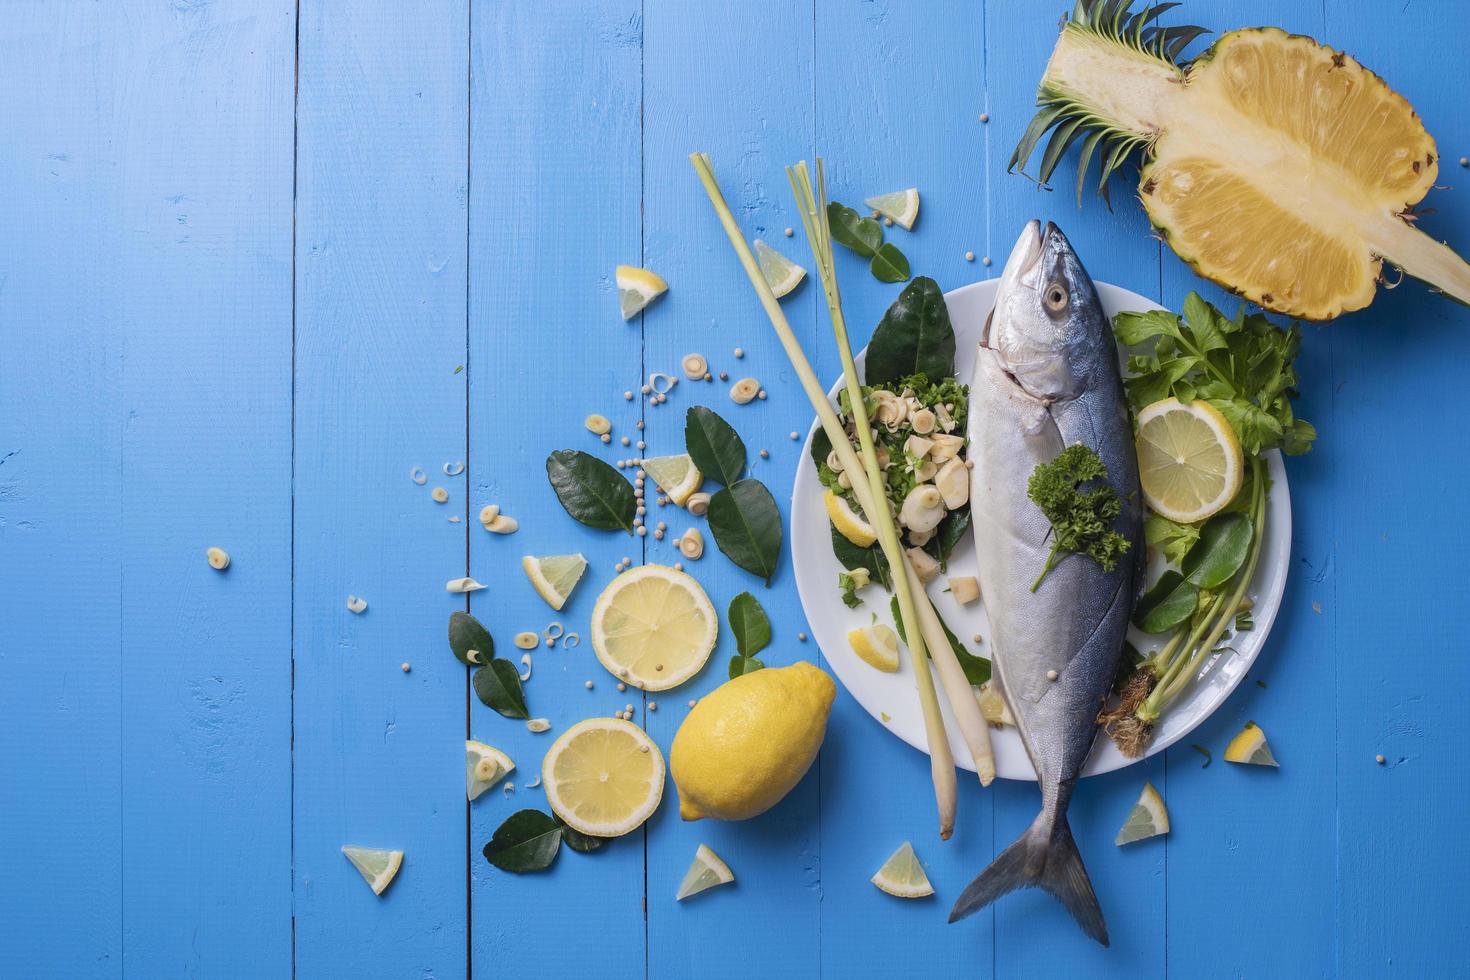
x=941, y=761
x=957, y=690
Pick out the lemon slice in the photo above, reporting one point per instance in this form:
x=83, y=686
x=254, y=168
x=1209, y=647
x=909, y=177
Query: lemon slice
x=848, y=523
x=554, y=576
x=677, y=476
x=1250, y=747
x=1148, y=818
x=637, y=288
x=902, y=207
x=782, y=274
x=993, y=707
x=377, y=866
x=653, y=627
x=604, y=777
x=484, y=766
x=1189, y=460
x=877, y=645
x=705, y=872
x=902, y=875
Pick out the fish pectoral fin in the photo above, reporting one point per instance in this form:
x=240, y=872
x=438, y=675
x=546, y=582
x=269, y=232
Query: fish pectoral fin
x=1044, y=857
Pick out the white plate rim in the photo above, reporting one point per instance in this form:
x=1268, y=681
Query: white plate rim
x=815, y=569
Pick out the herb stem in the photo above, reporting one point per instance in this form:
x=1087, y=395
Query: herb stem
x=1051, y=560
x=941, y=760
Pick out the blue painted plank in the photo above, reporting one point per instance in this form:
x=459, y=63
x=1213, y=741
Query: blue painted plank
x=381, y=327
x=899, y=93
x=61, y=424
x=555, y=190
x=1401, y=672
x=1241, y=831
x=747, y=101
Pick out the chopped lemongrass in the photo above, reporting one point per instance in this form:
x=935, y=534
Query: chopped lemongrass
x=218, y=558
x=781, y=274
x=465, y=584
x=488, y=513
x=691, y=544
x=538, y=725
x=598, y=425
x=503, y=525
x=439, y=494
x=418, y=475
x=744, y=390
x=705, y=872
x=1148, y=818
x=376, y=865
x=527, y=640
x=695, y=366
x=964, y=588
x=526, y=663
x=553, y=631
x=571, y=640
x=454, y=469
x=356, y=604
x=533, y=783
x=661, y=383
x=901, y=207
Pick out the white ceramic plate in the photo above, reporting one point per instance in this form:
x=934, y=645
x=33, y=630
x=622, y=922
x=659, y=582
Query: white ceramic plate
x=894, y=694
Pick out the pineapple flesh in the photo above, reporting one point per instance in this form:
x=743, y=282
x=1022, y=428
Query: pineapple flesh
x=1274, y=165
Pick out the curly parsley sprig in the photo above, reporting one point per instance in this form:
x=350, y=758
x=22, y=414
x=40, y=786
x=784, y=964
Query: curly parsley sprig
x=1081, y=520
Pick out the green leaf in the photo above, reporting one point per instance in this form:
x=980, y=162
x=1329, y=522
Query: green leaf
x=743, y=665
x=470, y=641
x=578, y=841
x=914, y=337
x=850, y=556
x=852, y=230
x=948, y=535
x=1135, y=328
x=527, y=841
x=1223, y=544
x=749, y=624
x=889, y=264
x=747, y=526
x=1176, y=539
x=1201, y=318
x=977, y=669
x=498, y=685
x=591, y=491
x=1170, y=602
x=714, y=446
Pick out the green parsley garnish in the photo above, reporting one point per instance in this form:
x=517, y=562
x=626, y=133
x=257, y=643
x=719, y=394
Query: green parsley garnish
x=1081, y=520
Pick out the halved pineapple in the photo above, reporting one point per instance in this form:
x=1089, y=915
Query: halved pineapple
x=1278, y=167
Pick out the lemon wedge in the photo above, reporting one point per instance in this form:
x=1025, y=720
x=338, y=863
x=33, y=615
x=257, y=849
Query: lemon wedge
x=705, y=872
x=653, y=627
x=1189, y=460
x=604, y=777
x=637, y=288
x=877, y=645
x=900, y=207
x=848, y=523
x=376, y=865
x=781, y=274
x=554, y=576
x=676, y=476
x=902, y=875
x=484, y=766
x=1250, y=747
x=1148, y=818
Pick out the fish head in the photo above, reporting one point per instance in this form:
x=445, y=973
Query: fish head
x=1047, y=328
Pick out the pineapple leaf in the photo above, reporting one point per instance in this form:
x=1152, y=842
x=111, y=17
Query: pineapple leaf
x=1087, y=150
x=1061, y=138
x=1040, y=123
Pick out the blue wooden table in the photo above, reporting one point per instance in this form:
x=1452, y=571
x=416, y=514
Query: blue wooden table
x=259, y=258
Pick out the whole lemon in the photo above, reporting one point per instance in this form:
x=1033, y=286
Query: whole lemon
x=747, y=743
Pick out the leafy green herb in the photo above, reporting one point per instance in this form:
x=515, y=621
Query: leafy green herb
x=1080, y=519
x=749, y=624
x=470, y=641
x=498, y=685
x=1242, y=365
x=865, y=237
x=1175, y=539
x=527, y=841
x=1209, y=756
x=591, y=491
x=850, y=582
x=977, y=669
x=915, y=336
x=1171, y=602
x=869, y=559
x=948, y=535
x=1224, y=542
x=1244, y=622
x=714, y=445
x=747, y=526
x=459, y=368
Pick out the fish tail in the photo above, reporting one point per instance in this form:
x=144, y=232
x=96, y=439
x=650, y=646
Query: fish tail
x=1044, y=857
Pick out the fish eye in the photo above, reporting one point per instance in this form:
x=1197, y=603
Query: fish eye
x=1056, y=297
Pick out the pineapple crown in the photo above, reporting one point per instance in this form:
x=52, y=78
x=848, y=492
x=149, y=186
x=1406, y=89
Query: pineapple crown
x=1068, y=117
